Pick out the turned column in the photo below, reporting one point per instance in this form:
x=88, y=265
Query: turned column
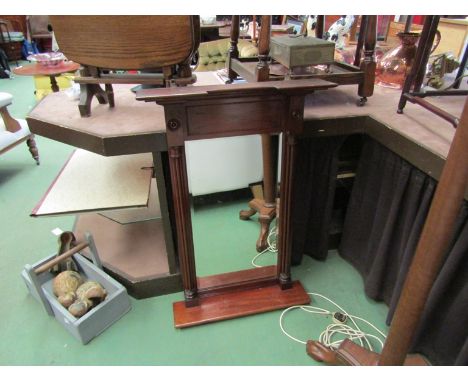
x=361, y=38
x=233, y=50
x=366, y=87
x=262, y=71
x=185, y=251
x=294, y=125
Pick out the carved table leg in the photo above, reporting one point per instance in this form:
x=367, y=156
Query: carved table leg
x=110, y=94
x=33, y=149
x=53, y=84
x=266, y=214
x=87, y=92
x=247, y=214
x=233, y=51
x=266, y=208
x=366, y=87
x=262, y=70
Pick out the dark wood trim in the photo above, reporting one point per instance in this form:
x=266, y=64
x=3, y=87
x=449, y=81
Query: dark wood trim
x=239, y=303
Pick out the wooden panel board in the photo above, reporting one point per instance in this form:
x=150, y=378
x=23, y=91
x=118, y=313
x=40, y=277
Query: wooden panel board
x=134, y=215
x=250, y=115
x=90, y=182
x=135, y=251
x=238, y=304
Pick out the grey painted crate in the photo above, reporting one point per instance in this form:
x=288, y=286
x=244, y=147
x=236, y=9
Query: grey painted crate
x=98, y=319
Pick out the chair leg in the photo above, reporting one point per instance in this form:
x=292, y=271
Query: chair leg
x=33, y=149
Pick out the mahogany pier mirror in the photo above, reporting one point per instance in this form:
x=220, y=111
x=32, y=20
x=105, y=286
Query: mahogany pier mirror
x=207, y=112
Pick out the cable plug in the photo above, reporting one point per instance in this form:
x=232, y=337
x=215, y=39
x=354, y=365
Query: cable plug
x=339, y=318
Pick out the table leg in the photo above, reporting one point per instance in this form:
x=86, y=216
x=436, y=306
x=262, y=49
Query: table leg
x=265, y=207
x=33, y=149
x=53, y=83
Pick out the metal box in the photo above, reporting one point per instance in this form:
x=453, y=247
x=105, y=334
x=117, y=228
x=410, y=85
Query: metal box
x=301, y=51
x=94, y=322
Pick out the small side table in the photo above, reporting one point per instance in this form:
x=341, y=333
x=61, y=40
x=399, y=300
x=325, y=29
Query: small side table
x=50, y=71
x=210, y=32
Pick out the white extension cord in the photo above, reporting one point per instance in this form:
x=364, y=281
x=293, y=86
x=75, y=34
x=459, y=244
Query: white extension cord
x=329, y=336
x=335, y=333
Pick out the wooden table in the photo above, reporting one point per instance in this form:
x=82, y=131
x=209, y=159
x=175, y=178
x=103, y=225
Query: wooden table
x=50, y=71
x=210, y=32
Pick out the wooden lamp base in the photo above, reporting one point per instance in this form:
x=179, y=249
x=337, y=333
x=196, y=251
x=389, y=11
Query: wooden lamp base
x=238, y=294
x=351, y=354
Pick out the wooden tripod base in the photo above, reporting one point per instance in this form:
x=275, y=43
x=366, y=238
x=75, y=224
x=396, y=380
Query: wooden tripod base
x=351, y=354
x=237, y=294
x=266, y=214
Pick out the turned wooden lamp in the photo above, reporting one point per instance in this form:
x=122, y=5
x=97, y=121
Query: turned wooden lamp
x=430, y=252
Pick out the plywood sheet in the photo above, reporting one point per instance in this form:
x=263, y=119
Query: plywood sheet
x=91, y=182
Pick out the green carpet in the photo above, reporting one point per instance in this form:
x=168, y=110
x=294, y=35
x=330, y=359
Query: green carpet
x=146, y=336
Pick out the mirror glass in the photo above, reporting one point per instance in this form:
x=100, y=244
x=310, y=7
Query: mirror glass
x=224, y=176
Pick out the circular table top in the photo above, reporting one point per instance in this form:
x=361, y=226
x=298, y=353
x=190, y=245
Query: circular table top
x=217, y=24
x=39, y=70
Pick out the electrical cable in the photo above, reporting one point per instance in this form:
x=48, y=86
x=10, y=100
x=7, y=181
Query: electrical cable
x=329, y=335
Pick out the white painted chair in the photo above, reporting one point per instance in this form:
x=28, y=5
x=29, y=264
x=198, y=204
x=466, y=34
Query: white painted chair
x=14, y=131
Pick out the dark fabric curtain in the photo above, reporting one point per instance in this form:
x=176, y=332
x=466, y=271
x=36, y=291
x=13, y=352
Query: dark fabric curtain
x=386, y=213
x=314, y=190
